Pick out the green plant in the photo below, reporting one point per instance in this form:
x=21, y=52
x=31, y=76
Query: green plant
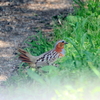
x=87, y=7
x=78, y=74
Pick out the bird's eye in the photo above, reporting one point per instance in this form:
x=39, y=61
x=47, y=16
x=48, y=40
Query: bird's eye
x=62, y=41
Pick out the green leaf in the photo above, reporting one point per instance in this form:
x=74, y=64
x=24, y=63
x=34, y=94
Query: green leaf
x=35, y=76
x=94, y=69
x=49, y=68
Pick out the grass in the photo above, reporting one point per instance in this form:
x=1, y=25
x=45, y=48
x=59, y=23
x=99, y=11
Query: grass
x=78, y=74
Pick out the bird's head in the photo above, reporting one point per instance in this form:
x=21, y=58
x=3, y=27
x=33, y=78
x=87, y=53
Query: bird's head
x=60, y=45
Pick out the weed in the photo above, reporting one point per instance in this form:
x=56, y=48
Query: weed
x=78, y=74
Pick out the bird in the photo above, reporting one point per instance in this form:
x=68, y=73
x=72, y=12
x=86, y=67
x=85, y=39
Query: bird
x=47, y=58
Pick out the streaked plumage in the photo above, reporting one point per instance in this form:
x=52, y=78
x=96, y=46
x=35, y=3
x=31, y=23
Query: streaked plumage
x=44, y=59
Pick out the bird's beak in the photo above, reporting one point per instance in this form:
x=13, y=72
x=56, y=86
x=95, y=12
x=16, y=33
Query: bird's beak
x=66, y=43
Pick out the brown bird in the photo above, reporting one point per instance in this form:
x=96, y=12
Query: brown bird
x=47, y=58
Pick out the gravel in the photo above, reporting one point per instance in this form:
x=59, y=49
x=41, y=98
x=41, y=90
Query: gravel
x=20, y=19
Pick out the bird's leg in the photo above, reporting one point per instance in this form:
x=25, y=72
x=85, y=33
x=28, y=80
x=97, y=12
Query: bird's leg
x=55, y=65
x=38, y=69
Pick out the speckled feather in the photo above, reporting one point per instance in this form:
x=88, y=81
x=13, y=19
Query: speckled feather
x=46, y=58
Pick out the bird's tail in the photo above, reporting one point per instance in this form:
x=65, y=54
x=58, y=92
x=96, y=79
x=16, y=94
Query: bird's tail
x=25, y=56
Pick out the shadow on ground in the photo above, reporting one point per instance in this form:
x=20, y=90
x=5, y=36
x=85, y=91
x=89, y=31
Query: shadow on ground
x=23, y=18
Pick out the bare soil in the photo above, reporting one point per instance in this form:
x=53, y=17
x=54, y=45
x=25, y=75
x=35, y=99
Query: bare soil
x=20, y=19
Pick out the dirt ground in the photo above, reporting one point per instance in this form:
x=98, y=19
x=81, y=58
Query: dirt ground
x=20, y=19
